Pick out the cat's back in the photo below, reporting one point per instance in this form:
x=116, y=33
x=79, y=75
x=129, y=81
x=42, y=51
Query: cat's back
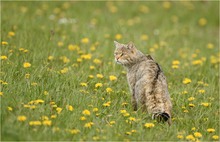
x=145, y=66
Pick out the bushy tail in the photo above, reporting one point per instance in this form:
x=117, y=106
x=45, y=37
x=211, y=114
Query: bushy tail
x=162, y=117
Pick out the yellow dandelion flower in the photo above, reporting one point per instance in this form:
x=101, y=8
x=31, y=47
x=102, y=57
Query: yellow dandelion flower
x=210, y=46
x=4, y=83
x=112, y=9
x=26, y=65
x=118, y=36
x=25, y=51
x=47, y=122
x=27, y=75
x=34, y=84
x=79, y=60
x=112, y=78
x=86, y=56
x=95, y=109
x=74, y=131
x=92, y=48
x=91, y=76
x=180, y=136
x=191, y=98
x=83, y=84
x=10, y=34
x=197, y=134
x=133, y=131
x=4, y=43
x=69, y=107
x=190, y=137
x=175, y=66
x=149, y=125
x=97, y=61
x=83, y=118
x=175, y=62
x=65, y=59
x=186, y=81
x=91, y=67
x=107, y=104
x=206, y=104
x=144, y=9
x=202, y=21
x=54, y=106
x=86, y=112
x=72, y=47
x=97, y=85
x=126, y=114
x=50, y=58
x=201, y=91
x=109, y=90
x=194, y=55
x=3, y=57
x=124, y=104
x=32, y=107
x=38, y=101
x=112, y=122
x=46, y=93
x=44, y=117
x=85, y=40
x=185, y=92
x=185, y=111
x=89, y=124
x=21, y=118
x=210, y=130
x=10, y=109
x=59, y=109
x=56, y=129
x=144, y=37
x=128, y=133
x=191, y=105
x=52, y=103
x=35, y=123
x=193, y=128
x=64, y=70
x=166, y=5
x=60, y=43
x=215, y=137
x=53, y=116
x=197, y=62
x=132, y=119
x=1, y=93
x=123, y=111
x=99, y=76
x=200, y=82
x=95, y=138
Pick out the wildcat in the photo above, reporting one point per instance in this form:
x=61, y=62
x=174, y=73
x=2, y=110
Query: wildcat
x=146, y=81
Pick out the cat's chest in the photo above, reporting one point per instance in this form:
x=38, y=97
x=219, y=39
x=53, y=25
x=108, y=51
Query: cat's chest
x=132, y=77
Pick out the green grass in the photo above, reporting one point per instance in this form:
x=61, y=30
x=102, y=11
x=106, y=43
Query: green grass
x=174, y=33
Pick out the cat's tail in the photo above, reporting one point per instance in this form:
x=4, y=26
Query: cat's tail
x=162, y=117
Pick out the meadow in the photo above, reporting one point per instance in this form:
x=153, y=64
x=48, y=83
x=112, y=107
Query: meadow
x=59, y=80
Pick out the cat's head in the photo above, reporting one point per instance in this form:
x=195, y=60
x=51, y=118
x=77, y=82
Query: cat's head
x=125, y=54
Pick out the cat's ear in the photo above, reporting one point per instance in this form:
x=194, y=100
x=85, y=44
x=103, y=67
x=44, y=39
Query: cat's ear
x=116, y=44
x=130, y=45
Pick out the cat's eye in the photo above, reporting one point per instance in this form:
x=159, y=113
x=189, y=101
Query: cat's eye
x=118, y=54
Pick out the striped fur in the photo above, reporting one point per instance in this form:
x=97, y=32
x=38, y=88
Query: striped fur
x=146, y=81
